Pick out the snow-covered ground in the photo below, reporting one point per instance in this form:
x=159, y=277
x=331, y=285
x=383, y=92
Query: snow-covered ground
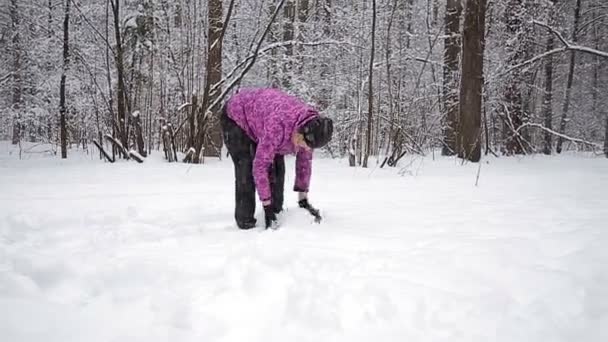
x=91, y=251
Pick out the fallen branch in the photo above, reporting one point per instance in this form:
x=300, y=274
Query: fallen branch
x=118, y=145
x=136, y=156
x=105, y=154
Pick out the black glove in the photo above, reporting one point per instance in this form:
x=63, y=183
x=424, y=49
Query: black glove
x=270, y=216
x=303, y=203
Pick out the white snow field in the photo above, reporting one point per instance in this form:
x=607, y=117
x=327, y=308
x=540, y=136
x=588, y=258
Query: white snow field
x=92, y=251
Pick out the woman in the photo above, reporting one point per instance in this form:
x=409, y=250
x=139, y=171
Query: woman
x=261, y=126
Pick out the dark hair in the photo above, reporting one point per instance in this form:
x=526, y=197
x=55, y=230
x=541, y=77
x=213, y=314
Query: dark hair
x=318, y=131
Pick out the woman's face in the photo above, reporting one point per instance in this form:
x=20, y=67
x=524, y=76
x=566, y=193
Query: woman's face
x=299, y=142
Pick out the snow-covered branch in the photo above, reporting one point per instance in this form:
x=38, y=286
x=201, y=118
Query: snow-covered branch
x=570, y=46
x=563, y=136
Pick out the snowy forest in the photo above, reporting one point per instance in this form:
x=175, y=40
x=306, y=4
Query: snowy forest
x=398, y=76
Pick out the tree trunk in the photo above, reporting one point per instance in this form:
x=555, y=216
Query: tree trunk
x=213, y=134
x=469, y=133
x=566, y=108
x=62, y=107
x=514, y=112
x=303, y=13
x=192, y=121
x=139, y=134
x=273, y=37
x=370, y=95
x=451, y=53
x=389, y=82
x=606, y=137
x=120, y=69
x=548, y=95
x=409, y=15
x=17, y=80
x=288, y=34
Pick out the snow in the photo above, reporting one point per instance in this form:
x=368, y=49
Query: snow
x=93, y=251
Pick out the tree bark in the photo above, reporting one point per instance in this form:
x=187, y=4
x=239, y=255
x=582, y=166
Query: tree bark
x=62, y=107
x=213, y=135
x=451, y=56
x=139, y=134
x=370, y=95
x=566, y=107
x=469, y=133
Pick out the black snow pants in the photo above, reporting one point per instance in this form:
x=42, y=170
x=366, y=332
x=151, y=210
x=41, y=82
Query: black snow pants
x=242, y=151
